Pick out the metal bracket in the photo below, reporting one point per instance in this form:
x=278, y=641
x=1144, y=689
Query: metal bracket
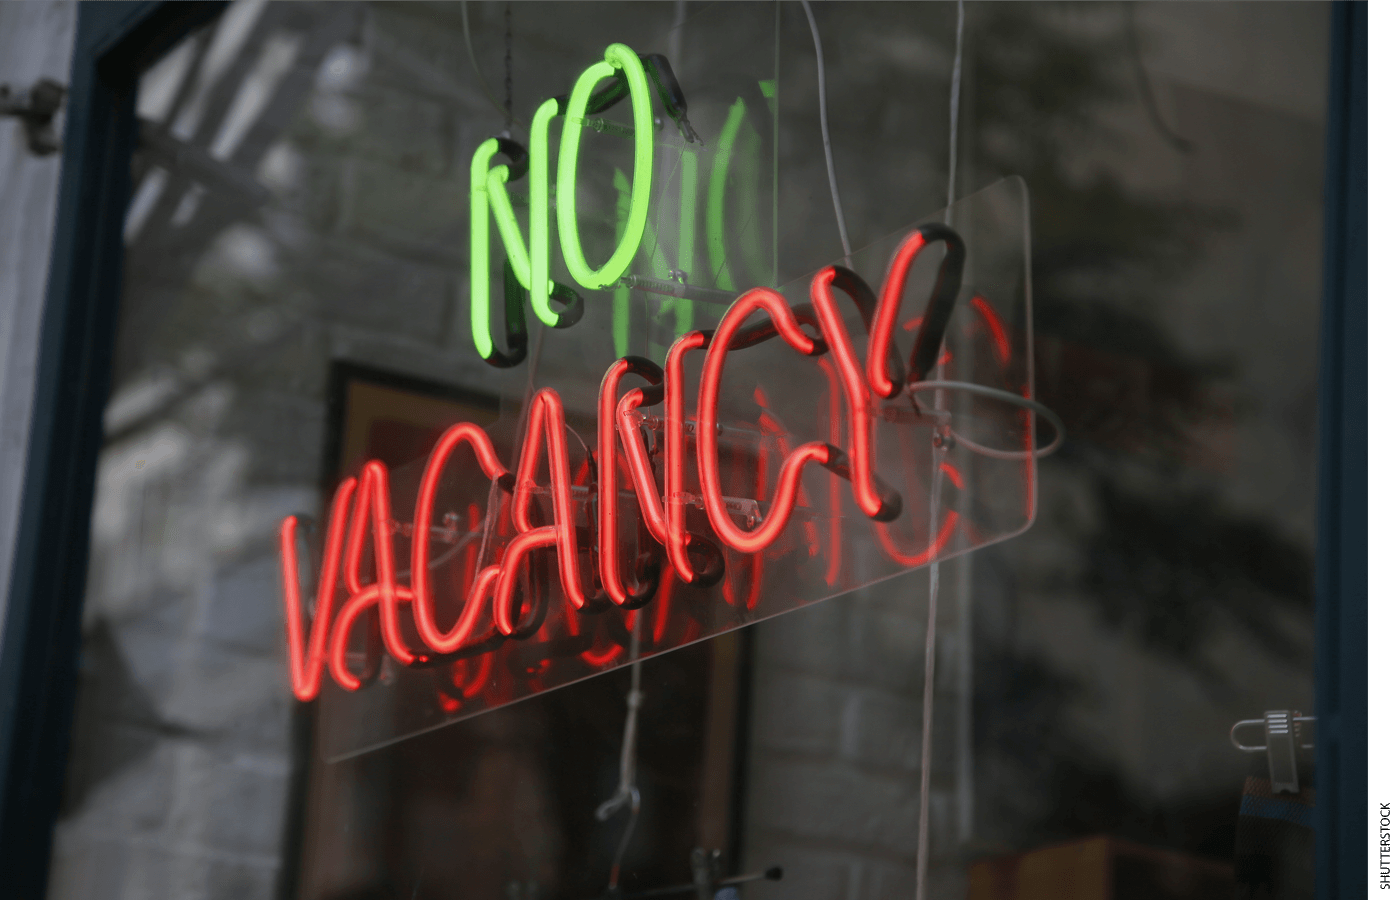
x=35, y=108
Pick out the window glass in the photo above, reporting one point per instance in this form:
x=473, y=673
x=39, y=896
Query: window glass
x=298, y=301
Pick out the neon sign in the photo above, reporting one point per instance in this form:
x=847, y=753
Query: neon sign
x=525, y=273
x=527, y=268
x=501, y=596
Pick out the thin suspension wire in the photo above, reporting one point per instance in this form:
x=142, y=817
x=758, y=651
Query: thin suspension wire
x=826, y=133
x=956, y=94
x=931, y=632
x=627, y=793
x=485, y=88
x=926, y=750
x=1144, y=85
x=510, y=104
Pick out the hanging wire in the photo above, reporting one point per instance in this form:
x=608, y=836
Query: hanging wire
x=510, y=105
x=931, y=632
x=826, y=133
x=485, y=88
x=1144, y=86
x=627, y=793
x=956, y=93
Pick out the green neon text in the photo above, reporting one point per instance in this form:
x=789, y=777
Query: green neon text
x=489, y=200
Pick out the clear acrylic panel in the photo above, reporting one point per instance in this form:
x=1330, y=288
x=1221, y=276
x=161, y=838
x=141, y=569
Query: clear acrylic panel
x=963, y=463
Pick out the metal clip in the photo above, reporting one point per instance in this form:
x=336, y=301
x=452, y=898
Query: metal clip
x=35, y=108
x=1282, y=740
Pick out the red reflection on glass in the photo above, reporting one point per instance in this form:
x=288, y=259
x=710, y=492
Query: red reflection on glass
x=923, y=558
x=601, y=658
x=662, y=606
x=1000, y=342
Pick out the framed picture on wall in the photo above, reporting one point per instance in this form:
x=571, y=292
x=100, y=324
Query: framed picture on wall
x=506, y=801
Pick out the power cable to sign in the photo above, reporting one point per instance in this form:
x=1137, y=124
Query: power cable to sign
x=930, y=635
x=937, y=385
x=627, y=794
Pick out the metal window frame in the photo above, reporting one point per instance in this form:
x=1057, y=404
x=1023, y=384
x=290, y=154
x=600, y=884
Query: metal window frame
x=39, y=649
x=1343, y=849
x=114, y=43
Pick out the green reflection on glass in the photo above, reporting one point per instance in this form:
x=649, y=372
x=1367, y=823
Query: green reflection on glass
x=714, y=213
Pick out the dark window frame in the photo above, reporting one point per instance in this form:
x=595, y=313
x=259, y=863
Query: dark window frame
x=113, y=44
x=116, y=42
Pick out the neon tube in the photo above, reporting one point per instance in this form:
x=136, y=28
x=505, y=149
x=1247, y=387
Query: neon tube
x=374, y=481
x=360, y=509
x=607, y=477
x=934, y=321
x=882, y=330
x=639, y=466
x=305, y=657
x=488, y=195
x=770, y=426
x=617, y=56
x=540, y=285
x=479, y=250
x=421, y=582
x=707, y=433
x=339, y=644
x=833, y=495
x=355, y=552
x=489, y=200
x=677, y=538
x=535, y=539
x=545, y=425
x=867, y=493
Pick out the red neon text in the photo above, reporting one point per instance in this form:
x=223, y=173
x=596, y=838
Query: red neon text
x=497, y=602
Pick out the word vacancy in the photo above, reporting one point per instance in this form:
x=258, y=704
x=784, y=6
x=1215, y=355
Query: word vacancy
x=589, y=563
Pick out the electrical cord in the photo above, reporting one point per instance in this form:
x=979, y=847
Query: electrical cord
x=627, y=795
x=981, y=390
x=826, y=133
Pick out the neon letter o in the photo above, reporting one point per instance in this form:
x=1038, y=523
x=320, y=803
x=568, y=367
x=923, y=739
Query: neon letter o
x=617, y=56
